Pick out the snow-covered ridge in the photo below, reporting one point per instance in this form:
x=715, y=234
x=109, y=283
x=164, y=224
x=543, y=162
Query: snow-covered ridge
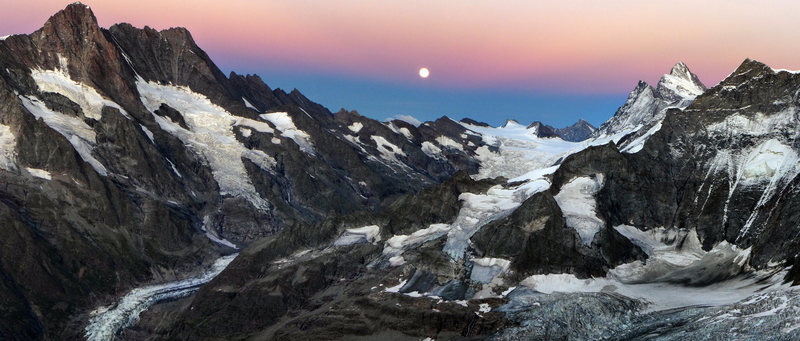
x=680, y=82
x=211, y=134
x=520, y=150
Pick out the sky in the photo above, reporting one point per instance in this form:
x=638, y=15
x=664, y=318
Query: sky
x=552, y=61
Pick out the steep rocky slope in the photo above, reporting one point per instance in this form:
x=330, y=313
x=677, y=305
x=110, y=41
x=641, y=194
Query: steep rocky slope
x=126, y=156
x=129, y=160
x=577, y=132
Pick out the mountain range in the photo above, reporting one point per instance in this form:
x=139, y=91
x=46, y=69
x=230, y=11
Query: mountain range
x=147, y=195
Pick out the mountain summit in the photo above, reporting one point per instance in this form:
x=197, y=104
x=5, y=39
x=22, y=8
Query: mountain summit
x=647, y=106
x=679, y=84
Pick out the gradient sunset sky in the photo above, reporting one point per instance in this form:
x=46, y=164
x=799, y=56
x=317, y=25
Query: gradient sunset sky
x=554, y=61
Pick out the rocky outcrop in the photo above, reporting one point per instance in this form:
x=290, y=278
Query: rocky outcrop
x=646, y=106
x=537, y=240
x=577, y=132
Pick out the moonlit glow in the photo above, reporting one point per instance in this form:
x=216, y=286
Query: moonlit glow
x=424, y=72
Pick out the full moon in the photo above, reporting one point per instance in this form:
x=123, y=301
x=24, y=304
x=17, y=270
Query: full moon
x=424, y=72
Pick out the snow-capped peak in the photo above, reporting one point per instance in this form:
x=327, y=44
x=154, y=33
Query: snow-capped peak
x=680, y=84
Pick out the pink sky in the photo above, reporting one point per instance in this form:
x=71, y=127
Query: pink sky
x=563, y=46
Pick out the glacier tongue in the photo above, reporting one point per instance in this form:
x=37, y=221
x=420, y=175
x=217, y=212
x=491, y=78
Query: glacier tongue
x=107, y=321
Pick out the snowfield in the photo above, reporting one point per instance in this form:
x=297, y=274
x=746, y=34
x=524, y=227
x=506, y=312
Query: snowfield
x=210, y=133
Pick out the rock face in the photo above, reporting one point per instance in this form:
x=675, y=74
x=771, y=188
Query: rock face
x=577, y=132
x=647, y=106
x=127, y=157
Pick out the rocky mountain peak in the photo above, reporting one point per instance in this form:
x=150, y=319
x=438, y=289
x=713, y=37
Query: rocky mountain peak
x=749, y=69
x=577, y=132
x=540, y=130
x=76, y=20
x=680, y=84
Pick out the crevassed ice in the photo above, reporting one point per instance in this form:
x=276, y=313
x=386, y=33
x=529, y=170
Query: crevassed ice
x=576, y=199
x=107, y=321
x=661, y=296
x=519, y=151
x=211, y=134
x=676, y=255
x=8, y=152
x=484, y=270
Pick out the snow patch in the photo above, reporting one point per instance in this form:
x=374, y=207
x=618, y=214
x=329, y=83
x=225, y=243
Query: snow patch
x=408, y=118
x=284, y=123
x=431, y=150
x=638, y=143
x=59, y=81
x=366, y=234
x=246, y=132
x=396, y=245
x=445, y=141
x=577, y=202
x=396, y=261
x=355, y=127
x=77, y=132
x=249, y=105
x=39, y=173
x=406, y=133
x=148, y=133
x=388, y=150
